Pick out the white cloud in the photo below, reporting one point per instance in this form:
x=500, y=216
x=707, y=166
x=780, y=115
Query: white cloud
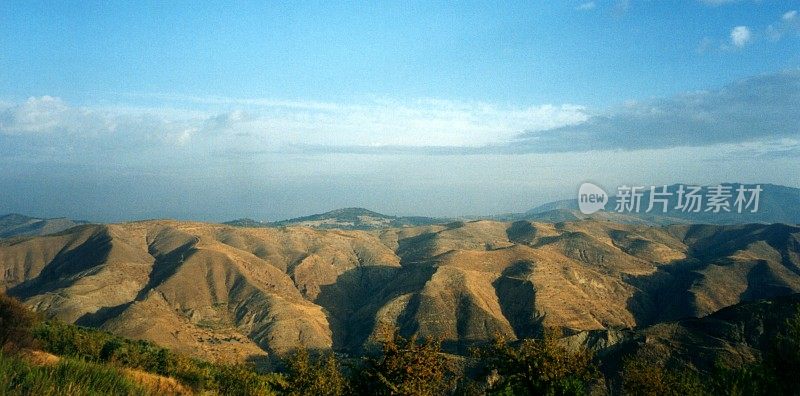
x=51, y=125
x=788, y=23
x=753, y=110
x=34, y=115
x=589, y=5
x=275, y=125
x=741, y=36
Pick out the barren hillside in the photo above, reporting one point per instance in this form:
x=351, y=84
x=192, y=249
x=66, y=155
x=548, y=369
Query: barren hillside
x=230, y=292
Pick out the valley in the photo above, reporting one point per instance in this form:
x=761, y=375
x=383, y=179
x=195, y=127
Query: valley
x=233, y=293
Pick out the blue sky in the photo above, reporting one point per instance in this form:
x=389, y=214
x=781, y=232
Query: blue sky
x=531, y=52
x=122, y=110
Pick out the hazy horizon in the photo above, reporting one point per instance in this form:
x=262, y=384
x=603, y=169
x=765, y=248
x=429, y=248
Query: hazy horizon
x=114, y=112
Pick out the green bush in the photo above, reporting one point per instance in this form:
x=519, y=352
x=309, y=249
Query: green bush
x=240, y=380
x=406, y=367
x=63, y=339
x=752, y=379
x=98, y=346
x=783, y=358
x=645, y=374
x=537, y=366
x=16, y=322
x=315, y=376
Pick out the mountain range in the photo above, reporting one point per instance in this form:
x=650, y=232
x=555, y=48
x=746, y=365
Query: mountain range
x=776, y=204
x=347, y=279
x=224, y=292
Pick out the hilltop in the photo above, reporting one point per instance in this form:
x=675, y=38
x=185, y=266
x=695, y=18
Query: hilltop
x=776, y=204
x=344, y=219
x=233, y=293
x=13, y=224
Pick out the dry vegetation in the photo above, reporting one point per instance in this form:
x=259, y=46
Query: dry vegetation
x=233, y=294
x=57, y=358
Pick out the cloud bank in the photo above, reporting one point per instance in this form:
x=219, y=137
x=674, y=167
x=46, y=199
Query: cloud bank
x=757, y=109
x=763, y=108
x=48, y=124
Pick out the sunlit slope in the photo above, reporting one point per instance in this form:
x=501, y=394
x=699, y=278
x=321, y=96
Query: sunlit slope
x=230, y=292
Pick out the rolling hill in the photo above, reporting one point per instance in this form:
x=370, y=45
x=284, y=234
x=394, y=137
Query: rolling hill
x=777, y=204
x=223, y=292
x=12, y=225
x=344, y=219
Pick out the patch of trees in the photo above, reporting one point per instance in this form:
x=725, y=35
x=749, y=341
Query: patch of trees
x=93, y=360
x=778, y=373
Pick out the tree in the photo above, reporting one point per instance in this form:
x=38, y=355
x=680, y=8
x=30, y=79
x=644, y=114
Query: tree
x=407, y=367
x=321, y=376
x=241, y=380
x=645, y=373
x=749, y=379
x=537, y=367
x=784, y=357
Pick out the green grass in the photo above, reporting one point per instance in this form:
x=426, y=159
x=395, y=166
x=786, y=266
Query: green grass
x=68, y=376
x=94, y=362
x=101, y=347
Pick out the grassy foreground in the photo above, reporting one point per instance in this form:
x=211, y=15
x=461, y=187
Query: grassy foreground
x=54, y=358
x=68, y=376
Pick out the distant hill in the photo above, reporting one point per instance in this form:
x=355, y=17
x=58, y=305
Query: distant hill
x=777, y=204
x=344, y=219
x=564, y=204
x=12, y=225
x=559, y=215
x=247, y=222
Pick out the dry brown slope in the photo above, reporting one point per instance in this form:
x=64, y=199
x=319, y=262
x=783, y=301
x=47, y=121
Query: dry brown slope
x=225, y=292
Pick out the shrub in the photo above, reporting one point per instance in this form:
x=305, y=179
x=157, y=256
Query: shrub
x=645, y=374
x=783, y=358
x=16, y=322
x=240, y=380
x=102, y=347
x=69, y=340
x=407, y=367
x=537, y=366
x=315, y=376
x=752, y=379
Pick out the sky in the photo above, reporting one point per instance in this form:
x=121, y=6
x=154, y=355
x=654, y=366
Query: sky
x=115, y=111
